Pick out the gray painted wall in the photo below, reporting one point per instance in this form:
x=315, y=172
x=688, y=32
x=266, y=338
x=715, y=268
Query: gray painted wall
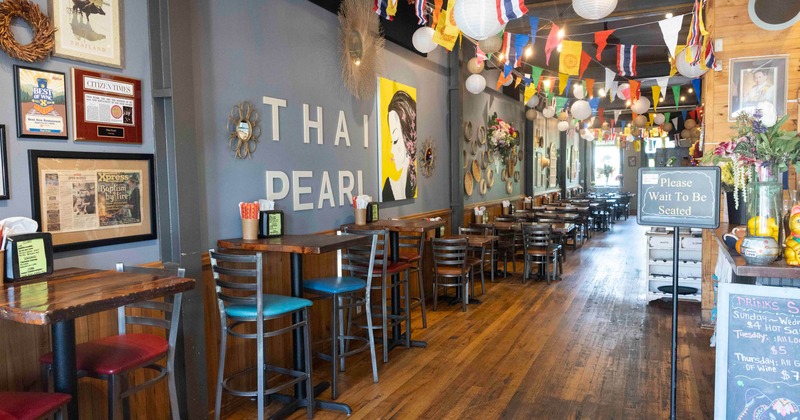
x=137, y=65
x=288, y=49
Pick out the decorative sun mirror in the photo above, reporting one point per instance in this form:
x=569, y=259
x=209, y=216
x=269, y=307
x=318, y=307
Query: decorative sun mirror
x=427, y=159
x=243, y=130
x=355, y=47
x=360, y=48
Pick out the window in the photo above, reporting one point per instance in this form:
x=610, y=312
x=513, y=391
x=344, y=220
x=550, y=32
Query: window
x=606, y=155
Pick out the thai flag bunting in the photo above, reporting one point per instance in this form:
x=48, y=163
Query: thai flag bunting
x=420, y=9
x=479, y=54
x=696, y=30
x=380, y=9
x=626, y=60
x=709, y=58
x=534, y=21
x=508, y=39
x=510, y=9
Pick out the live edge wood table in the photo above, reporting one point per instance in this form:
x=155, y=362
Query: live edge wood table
x=297, y=245
x=745, y=273
x=70, y=293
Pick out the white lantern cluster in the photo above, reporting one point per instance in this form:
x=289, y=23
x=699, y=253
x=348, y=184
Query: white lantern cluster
x=691, y=130
x=491, y=44
x=549, y=112
x=475, y=84
x=667, y=127
x=578, y=91
x=477, y=19
x=581, y=110
x=533, y=101
x=423, y=40
x=692, y=71
x=563, y=126
x=563, y=116
x=594, y=9
x=659, y=119
x=640, y=121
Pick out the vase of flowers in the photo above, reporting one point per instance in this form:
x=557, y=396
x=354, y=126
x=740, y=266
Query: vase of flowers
x=606, y=170
x=501, y=138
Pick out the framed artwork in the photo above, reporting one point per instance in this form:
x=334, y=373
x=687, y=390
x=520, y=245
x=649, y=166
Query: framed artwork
x=757, y=83
x=93, y=199
x=41, y=103
x=3, y=165
x=107, y=108
x=89, y=31
x=631, y=160
x=397, y=141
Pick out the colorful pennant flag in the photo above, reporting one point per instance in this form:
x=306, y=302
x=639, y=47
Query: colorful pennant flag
x=626, y=60
x=669, y=30
x=600, y=38
x=663, y=82
x=520, y=42
x=419, y=8
x=479, y=54
x=534, y=23
x=617, y=113
x=675, y=123
x=635, y=89
x=656, y=96
x=529, y=92
x=667, y=115
x=684, y=115
x=507, y=70
x=501, y=80
x=570, y=57
x=585, y=59
x=696, y=32
x=589, y=85
x=594, y=103
x=610, y=75
x=508, y=40
x=561, y=101
x=709, y=59
x=510, y=9
x=614, y=88
x=517, y=81
x=652, y=117
x=552, y=43
x=381, y=7
x=536, y=74
x=676, y=92
x=697, y=93
x=601, y=115
x=562, y=82
x=437, y=10
x=446, y=34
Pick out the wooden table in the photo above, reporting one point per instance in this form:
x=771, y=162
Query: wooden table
x=745, y=273
x=396, y=226
x=70, y=293
x=297, y=245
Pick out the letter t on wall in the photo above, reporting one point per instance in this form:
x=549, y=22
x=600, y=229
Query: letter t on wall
x=275, y=104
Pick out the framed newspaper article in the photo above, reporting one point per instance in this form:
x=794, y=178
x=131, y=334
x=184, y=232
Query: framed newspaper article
x=106, y=107
x=87, y=200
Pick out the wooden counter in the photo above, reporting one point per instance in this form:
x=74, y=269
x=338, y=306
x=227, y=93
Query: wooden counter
x=778, y=269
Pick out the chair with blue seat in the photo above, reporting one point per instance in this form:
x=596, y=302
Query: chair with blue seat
x=242, y=302
x=348, y=290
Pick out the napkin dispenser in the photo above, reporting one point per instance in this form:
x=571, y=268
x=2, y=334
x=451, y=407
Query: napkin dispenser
x=372, y=212
x=28, y=255
x=270, y=223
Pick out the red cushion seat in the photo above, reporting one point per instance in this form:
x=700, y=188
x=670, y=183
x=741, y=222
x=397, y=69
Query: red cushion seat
x=117, y=353
x=29, y=405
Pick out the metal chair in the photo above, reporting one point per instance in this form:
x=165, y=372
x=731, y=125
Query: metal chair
x=539, y=249
x=242, y=302
x=32, y=405
x=412, y=250
x=356, y=264
x=113, y=358
x=477, y=262
x=450, y=262
x=490, y=230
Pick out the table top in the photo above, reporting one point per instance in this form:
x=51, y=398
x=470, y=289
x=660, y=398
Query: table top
x=297, y=244
x=778, y=269
x=475, y=240
x=74, y=292
x=565, y=227
x=400, y=225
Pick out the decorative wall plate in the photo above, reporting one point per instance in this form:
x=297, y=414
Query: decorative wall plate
x=427, y=157
x=509, y=187
x=243, y=130
x=474, y=146
x=484, y=160
x=490, y=177
x=482, y=134
x=504, y=175
x=483, y=187
x=491, y=157
x=519, y=154
x=468, y=184
x=476, y=170
x=468, y=133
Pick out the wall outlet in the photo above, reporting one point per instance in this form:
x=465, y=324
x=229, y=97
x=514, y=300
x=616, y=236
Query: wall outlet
x=718, y=45
x=358, y=309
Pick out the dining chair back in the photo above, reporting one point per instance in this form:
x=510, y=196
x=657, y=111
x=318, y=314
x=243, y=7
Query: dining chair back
x=539, y=249
x=450, y=267
x=412, y=251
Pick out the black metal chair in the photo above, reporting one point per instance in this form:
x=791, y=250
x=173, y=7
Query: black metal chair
x=450, y=262
x=539, y=250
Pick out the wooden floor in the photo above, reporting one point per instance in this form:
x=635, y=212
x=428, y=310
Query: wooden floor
x=586, y=347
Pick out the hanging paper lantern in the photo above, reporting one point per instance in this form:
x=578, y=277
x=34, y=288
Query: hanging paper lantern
x=581, y=110
x=549, y=112
x=605, y=126
x=695, y=133
x=533, y=101
x=476, y=84
x=667, y=127
x=690, y=124
x=474, y=66
x=508, y=82
x=640, y=121
x=563, y=126
x=659, y=119
x=692, y=71
x=491, y=44
x=530, y=114
x=477, y=19
x=578, y=91
x=685, y=134
x=624, y=91
x=641, y=105
x=594, y=9
x=563, y=116
x=423, y=40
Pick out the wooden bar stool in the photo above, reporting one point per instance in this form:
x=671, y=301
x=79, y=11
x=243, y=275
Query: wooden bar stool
x=412, y=250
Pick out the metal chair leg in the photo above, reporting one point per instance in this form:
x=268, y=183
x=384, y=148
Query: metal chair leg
x=114, y=393
x=334, y=347
x=435, y=290
x=384, y=323
x=408, y=310
x=421, y=287
x=220, y=372
x=371, y=336
x=309, y=386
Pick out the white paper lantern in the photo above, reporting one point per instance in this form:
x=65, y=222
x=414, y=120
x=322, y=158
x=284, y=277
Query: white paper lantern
x=533, y=101
x=581, y=110
x=594, y=9
x=563, y=116
x=640, y=121
x=423, y=40
x=667, y=127
x=641, y=105
x=492, y=44
x=578, y=91
x=508, y=82
x=690, y=124
x=563, y=126
x=474, y=66
x=687, y=69
x=549, y=112
x=624, y=91
x=475, y=84
x=477, y=19
x=530, y=114
x=659, y=119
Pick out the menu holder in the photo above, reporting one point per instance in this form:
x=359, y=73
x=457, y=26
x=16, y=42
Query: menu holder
x=28, y=255
x=372, y=212
x=270, y=223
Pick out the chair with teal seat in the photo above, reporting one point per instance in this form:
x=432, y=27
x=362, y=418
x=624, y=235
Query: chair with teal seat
x=354, y=277
x=242, y=302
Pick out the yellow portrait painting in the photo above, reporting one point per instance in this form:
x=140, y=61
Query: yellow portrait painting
x=397, y=144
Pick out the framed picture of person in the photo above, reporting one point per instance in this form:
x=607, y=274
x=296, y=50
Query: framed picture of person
x=89, y=31
x=758, y=83
x=397, y=141
x=41, y=103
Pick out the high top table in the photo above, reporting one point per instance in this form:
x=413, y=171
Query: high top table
x=70, y=293
x=297, y=245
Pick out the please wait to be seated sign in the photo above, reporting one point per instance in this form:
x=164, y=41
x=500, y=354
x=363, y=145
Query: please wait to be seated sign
x=685, y=197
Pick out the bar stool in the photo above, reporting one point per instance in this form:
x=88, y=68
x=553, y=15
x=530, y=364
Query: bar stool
x=355, y=264
x=31, y=405
x=412, y=249
x=241, y=300
x=450, y=261
x=113, y=358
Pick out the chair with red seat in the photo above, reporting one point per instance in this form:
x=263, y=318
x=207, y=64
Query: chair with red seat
x=31, y=405
x=112, y=358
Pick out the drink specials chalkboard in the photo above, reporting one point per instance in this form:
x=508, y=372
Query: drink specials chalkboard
x=687, y=197
x=758, y=352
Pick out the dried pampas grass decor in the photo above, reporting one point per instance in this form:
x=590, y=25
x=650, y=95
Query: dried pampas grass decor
x=360, y=46
x=43, y=31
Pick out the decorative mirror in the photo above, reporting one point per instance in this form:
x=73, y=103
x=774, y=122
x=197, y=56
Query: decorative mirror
x=360, y=47
x=553, y=152
x=427, y=159
x=243, y=130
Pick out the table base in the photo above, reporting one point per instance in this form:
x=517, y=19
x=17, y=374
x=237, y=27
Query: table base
x=293, y=404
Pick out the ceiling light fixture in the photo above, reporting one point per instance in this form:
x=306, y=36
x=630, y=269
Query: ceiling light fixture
x=668, y=15
x=691, y=90
x=528, y=51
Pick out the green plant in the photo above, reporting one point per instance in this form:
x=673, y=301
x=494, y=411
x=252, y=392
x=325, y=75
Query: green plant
x=606, y=170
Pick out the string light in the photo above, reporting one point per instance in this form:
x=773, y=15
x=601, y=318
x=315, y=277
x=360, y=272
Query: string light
x=561, y=33
x=683, y=98
x=601, y=92
x=500, y=57
x=559, y=48
x=628, y=102
x=691, y=90
x=661, y=100
x=528, y=51
x=668, y=15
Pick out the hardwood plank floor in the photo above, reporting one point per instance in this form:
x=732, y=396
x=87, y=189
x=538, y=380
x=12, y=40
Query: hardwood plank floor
x=586, y=347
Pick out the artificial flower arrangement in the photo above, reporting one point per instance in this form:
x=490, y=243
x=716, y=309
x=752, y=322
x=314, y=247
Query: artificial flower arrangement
x=606, y=170
x=501, y=136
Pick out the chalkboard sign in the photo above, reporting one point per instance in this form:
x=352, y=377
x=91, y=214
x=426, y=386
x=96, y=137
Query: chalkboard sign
x=758, y=352
x=687, y=197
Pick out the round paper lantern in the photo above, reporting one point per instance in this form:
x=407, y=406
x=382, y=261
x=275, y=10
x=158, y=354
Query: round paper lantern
x=667, y=127
x=685, y=134
x=659, y=119
x=768, y=115
x=581, y=110
x=530, y=114
x=423, y=40
x=491, y=44
x=508, y=82
x=640, y=121
x=578, y=91
x=563, y=116
x=690, y=124
x=474, y=66
x=605, y=126
x=686, y=69
x=563, y=126
x=594, y=9
x=549, y=112
x=624, y=91
x=641, y=105
x=475, y=84
x=477, y=19
x=533, y=101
